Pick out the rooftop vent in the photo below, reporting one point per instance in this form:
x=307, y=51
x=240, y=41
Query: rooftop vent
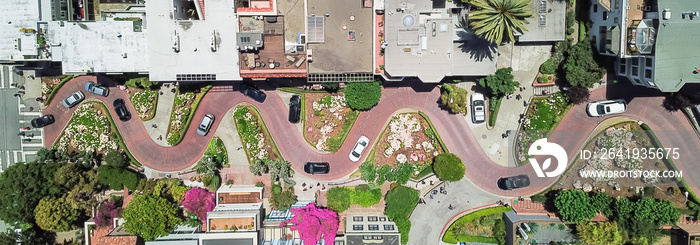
x=409, y=21
x=667, y=14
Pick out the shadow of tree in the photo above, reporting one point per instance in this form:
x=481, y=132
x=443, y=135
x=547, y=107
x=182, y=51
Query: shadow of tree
x=477, y=47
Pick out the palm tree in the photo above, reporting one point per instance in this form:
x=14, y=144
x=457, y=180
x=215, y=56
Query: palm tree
x=493, y=19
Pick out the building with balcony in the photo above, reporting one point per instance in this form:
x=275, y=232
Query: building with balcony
x=650, y=39
x=371, y=228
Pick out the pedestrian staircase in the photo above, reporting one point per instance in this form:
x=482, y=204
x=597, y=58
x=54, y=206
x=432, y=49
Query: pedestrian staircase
x=226, y=88
x=540, y=90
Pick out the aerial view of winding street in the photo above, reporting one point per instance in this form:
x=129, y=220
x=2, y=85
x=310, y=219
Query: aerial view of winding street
x=350, y=122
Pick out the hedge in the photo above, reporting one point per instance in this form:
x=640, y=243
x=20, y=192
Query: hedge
x=302, y=91
x=495, y=107
x=56, y=88
x=427, y=119
x=449, y=237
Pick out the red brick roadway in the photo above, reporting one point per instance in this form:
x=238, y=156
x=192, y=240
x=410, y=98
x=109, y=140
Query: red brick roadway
x=672, y=129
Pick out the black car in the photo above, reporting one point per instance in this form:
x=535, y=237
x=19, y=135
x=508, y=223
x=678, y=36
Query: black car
x=316, y=168
x=252, y=92
x=294, y=108
x=121, y=110
x=43, y=121
x=514, y=182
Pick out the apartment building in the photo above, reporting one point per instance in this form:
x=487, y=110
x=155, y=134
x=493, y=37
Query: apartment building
x=652, y=40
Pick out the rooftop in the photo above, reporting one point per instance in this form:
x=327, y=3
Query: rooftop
x=183, y=48
x=102, y=46
x=348, y=25
x=548, y=22
x=424, y=42
x=675, y=62
x=16, y=14
x=379, y=239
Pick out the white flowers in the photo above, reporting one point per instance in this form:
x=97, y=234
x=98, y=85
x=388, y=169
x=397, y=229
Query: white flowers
x=335, y=105
x=401, y=158
x=427, y=146
x=401, y=129
x=87, y=131
x=143, y=102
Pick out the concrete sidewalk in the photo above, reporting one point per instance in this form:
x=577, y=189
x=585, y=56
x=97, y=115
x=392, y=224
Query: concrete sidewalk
x=166, y=98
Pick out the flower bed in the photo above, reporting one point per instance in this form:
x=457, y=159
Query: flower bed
x=256, y=140
x=88, y=130
x=217, y=150
x=407, y=139
x=49, y=86
x=182, y=107
x=541, y=117
x=478, y=226
x=329, y=122
x=144, y=102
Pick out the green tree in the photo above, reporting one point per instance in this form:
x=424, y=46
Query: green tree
x=501, y=83
x=574, y=206
x=382, y=173
x=50, y=155
x=258, y=167
x=140, y=82
x=449, y=167
x=404, y=226
x=454, y=98
x=116, y=159
x=602, y=233
x=338, y=199
x=548, y=67
x=55, y=214
x=283, y=200
x=581, y=69
x=368, y=171
x=602, y=203
x=150, y=216
x=207, y=166
x=497, y=20
x=367, y=198
x=117, y=178
x=9, y=237
x=499, y=231
x=362, y=95
x=22, y=186
x=400, y=202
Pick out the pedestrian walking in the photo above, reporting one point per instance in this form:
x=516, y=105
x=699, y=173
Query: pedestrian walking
x=17, y=95
x=31, y=108
x=21, y=87
x=154, y=125
x=26, y=128
x=20, y=92
x=21, y=133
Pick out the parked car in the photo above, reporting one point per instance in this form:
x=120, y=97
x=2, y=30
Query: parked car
x=73, y=99
x=94, y=88
x=478, y=108
x=205, y=124
x=122, y=111
x=42, y=121
x=514, y=182
x=316, y=167
x=252, y=92
x=294, y=108
x=359, y=148
x=607, y=107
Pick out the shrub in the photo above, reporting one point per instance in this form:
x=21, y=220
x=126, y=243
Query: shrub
x=570, y=30
x=404, y=226
x=106, y=213
x=501, y=83
x=581, y=68
x=283, y=201
x=548, y=67
x=574, y=206
x=258, y=167
x=600, y=233
x=602, y=203
x=338, y=199
x=577, y=95
x=362, y=187
x=260, y=184
x=367, y=198
x=150, y=217
x=542, y=79
x=499, y=231
x=362, y=95
x=368, y=171
x=539, y=198
x=454, y=98
x=140, y=82
x=400, y=202
x=449, y=167
x=276, y=189
x=115, y=159
x=117, y=178
x=382, y=173
x=570, y=19
x=331, y=87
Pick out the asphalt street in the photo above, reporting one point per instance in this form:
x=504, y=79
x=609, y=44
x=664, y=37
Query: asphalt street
x=14, y=116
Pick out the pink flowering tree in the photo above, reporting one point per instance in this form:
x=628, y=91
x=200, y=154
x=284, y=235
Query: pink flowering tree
x=106, y=213
x=314, y=223
x=199, y=201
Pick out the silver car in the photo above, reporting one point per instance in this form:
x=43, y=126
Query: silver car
x=94, y=88
x=73, y=99
x=205, y=124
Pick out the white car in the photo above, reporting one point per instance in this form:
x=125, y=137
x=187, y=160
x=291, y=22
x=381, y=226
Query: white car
x=607, y=107
x=359, y=148
x=478, y=108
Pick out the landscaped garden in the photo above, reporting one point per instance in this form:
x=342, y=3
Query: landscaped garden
x=329, y=122
x=185, y=104
x=217, y=151
x=256, y=139
x=484, y=226
x=339, y=199
x=88, y=130
x=144, y=102
x=50, y=85
x=542, y=116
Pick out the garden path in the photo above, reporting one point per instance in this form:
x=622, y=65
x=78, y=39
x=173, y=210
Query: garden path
x=672, y=128
x=164, y=108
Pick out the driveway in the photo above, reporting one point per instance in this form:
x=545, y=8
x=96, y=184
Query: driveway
x=672, y=128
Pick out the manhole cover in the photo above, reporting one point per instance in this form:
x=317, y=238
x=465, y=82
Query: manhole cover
x=483, y=136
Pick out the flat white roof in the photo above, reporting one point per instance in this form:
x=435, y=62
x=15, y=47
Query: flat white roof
x=195, y=55
x=102, y=46
x=16, y=14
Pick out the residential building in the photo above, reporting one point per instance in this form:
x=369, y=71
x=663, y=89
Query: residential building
x=273, y=234
x=427, y=39
x=236, y=217
x=370, y=228
x=650, y=39
x=547, y=24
